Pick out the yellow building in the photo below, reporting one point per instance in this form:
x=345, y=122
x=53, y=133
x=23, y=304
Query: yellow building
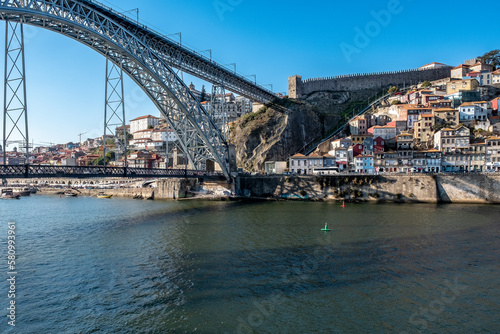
x=358, y=139
x=423, y=128
x=455, y=86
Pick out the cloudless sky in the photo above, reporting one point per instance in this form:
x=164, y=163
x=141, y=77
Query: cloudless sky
x=270, y=39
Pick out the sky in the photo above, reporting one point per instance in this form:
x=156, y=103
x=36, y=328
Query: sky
x=269, y=39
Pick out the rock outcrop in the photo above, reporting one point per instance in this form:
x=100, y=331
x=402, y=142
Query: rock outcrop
x=274, y=133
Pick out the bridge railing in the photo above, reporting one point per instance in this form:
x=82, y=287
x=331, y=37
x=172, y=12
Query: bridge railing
x=34, y=171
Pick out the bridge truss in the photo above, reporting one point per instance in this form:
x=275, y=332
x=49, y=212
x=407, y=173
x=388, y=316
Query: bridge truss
x=40, y=171
x=148, y=58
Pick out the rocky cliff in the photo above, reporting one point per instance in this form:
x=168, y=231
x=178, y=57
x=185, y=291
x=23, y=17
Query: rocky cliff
x=274, y=133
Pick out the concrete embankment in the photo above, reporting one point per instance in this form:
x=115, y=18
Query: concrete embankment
x=163, y=188
x=442, y=188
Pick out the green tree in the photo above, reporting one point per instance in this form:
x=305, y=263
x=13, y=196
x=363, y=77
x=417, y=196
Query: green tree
x=395, y=102
x=491, y=58
x=393, y=90
x=110, y=156
x=426, y=84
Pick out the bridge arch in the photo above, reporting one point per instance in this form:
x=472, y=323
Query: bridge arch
x=85, y=22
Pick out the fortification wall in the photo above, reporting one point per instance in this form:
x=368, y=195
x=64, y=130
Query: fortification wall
x=298, y=88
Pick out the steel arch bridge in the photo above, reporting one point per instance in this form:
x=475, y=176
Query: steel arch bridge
x=148, y=58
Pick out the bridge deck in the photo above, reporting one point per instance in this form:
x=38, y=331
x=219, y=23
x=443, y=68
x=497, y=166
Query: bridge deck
x=188, y=60
x=42, y=171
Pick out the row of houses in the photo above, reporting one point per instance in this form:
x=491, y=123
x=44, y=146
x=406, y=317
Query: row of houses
x=455, y=153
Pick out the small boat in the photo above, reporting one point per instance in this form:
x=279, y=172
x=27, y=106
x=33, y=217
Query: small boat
x=326, y=229
x=103, y=195
x=7, y=193
x=70, y=194
x=24, y=192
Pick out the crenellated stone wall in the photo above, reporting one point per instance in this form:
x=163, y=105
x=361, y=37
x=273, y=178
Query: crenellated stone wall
x=300, y=89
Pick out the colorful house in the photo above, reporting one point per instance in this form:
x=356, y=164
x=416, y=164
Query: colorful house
x=423, y=128
x=364, y=164
x=448, y=116
x=460, y=71
x=456, y=86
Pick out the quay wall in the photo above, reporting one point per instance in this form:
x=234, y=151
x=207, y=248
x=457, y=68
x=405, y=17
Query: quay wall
x=130, y=188
x=441, y=188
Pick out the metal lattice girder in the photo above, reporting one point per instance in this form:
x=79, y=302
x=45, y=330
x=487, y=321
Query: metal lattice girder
x=113, y=37
x=44, y=171
x=187, y=60
x=114, y=109
x=15, y=111
x=218, y=109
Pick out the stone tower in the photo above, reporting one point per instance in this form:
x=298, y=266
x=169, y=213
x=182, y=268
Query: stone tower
x=295, y=87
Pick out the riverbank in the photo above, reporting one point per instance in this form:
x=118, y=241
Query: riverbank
x=407, y=188
x=412, y=188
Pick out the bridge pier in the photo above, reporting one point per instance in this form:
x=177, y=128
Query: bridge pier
x=173, y=188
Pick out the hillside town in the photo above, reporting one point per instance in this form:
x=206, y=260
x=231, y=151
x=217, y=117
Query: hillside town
x=449, y=125
x=150, y=142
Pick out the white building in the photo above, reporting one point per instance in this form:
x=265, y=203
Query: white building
x=482, y=110
x=364, y=164
x=386, y=132
x=450, y=140
x=466, y=110
x=495, y=77
x=432, y=66
x=143, y=123
x=298, y=164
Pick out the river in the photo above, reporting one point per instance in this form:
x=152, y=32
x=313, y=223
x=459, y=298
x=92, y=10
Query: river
x=88, y=265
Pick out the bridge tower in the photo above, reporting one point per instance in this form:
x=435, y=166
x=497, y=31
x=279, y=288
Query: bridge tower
x=15, y=107
x=114, y=110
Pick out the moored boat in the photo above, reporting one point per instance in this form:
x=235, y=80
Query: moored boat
x=70, y=194
x=7, y=193
x=23, y=192
x=103, y=195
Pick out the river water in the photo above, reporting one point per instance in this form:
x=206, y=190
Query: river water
x=88, y=265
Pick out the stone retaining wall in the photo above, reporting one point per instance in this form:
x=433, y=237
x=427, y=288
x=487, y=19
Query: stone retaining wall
x=442, y=188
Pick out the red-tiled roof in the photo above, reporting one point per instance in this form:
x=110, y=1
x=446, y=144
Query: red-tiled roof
x=142, y=117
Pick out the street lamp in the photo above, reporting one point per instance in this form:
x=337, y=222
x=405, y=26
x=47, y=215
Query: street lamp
x=233, y=64
x=209, y=50
x=254, y=77
x=133, y=10
x=180, y=37
x=269, y=85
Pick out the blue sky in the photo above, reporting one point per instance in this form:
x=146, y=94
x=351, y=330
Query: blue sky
x=270, y=39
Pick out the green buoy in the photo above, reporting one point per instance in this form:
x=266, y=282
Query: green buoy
x=326, y=229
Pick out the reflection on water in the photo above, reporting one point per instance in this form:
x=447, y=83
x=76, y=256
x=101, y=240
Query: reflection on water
x=93, y=265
